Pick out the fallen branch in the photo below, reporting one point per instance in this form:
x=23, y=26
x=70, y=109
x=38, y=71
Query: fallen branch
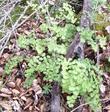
x=55, y=98
x=77, y=47
x=102, y=100
x=85, y=22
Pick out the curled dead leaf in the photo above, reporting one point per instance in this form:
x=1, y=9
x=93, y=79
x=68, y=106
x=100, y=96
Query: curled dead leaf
x=102, y=88
x=107, y=108
x=6, y=56
x=11, y=84
x=36, y=88
x=1, y=83
x=26, y=32
x=23, y=98
x=36, y=99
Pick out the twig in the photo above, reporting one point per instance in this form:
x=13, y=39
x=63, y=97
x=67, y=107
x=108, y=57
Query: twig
x=79, y=106
x=101, y=100
x=6, y=38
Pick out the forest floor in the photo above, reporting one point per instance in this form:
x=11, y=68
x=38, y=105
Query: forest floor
x=14, y=97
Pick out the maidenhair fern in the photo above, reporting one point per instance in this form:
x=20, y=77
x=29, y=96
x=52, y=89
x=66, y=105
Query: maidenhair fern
x=12, y=62
x=79, y=79
x=88, y=36
x=76, y=77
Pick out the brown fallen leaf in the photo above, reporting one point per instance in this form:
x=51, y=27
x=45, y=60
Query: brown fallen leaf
x=15, y=92
x=18, y=82
x=23, y=98
x=6, y=105
x=6, y=91
x=29, y=102
x=16, y=106
x=6, y=56
x=107, y=107
x=11, y=84
x=1, y=71
x=30, y=108
x=4, y=95
x=42, y=107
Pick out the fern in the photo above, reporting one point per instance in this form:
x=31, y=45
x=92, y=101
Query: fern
x=12, y=63
x=76, y=77
x=88, y=36
x=79, y=79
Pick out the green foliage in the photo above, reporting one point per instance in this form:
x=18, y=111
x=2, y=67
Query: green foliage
x=56, y=46
x=40, y=45
x=47, y=88
x=96, y=3
x=88, y=36
x=29, y=80
x=28, y=41
x=12, y=63
x=48, y=65
x=65, y=33
x=66, y=12
x=79, y=79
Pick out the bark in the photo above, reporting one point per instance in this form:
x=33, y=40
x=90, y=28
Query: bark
x=85, y=22
x=55, y=98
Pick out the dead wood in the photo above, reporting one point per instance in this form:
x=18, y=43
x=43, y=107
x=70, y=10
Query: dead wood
x=55, y=98
x=85, y=22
